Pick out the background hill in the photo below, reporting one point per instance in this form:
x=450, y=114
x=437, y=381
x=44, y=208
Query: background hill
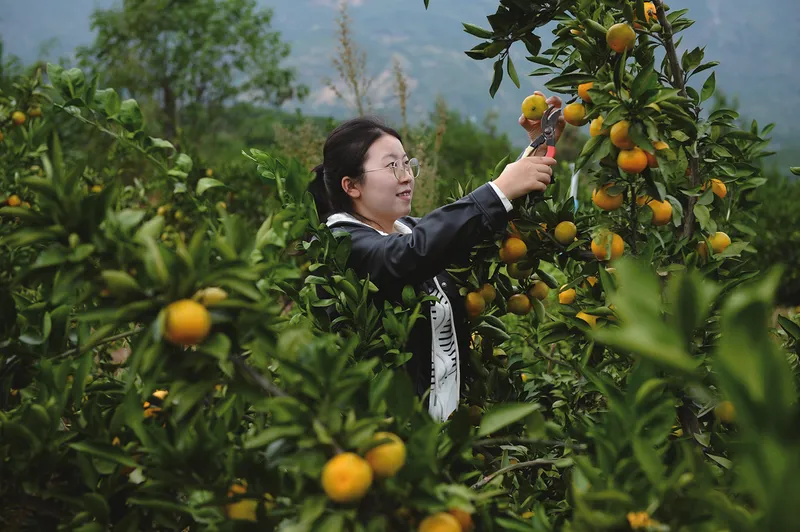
x=753, y=46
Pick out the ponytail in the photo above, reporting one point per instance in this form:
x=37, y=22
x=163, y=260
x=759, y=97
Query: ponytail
x=318, y=189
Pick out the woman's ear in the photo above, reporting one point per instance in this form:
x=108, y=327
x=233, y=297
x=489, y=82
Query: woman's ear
x=350, y=187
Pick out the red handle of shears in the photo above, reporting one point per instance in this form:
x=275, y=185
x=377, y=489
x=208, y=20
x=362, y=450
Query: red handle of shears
x=551, y=152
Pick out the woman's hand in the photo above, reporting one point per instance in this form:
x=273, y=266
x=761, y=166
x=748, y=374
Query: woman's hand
x=529, y=174
x=534, y=127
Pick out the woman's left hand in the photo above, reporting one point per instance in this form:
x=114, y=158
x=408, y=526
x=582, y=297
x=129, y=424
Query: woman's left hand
x=534, y=127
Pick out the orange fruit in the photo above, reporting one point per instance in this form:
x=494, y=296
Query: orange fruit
x=544, y=229
x=619, y=135
x=718, y=188
x=475, y=304
x=652, y=162
x=596, y=127
x=725, y=412
x=620, y=37
x=464, y=518
x=187, y=322
x=719, y=241
x=515, y=272
x=526, y=515
x=601, y=242
x=488, y=293
x=632, y=161
x=642, y=200
x=18, y=117
x=650, y=12
x=13, y=201
x=539, y=290
x=662, y=212
x=604, y=200
x=660, y=145
x=702, y=250
x=519, y=304
x=346, y=478
x=160, y=394
x=35, y=112
x=97, y=188
x=534, y=106
x=209, y=172
x=512, y=250
x=387, y=459
x=208, y=297
x=575, y=114
x=2, y=137
x=588, y=318
x=440, y=522
x=567, y=297
x=583, y=91
x=565, y=233
x=243, y=510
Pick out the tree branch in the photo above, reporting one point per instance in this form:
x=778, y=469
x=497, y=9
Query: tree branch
x=521, y=465
x=529, y=442
x=678, y=83
x=110, y=339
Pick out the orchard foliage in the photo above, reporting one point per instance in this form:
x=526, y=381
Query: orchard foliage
x=224, y=369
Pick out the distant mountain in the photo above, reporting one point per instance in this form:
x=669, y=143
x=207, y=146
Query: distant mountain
x=754, y=45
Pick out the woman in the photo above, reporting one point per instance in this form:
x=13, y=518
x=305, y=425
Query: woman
x=365, y=186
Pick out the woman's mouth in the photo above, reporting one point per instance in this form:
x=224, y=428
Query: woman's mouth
x=405, y=195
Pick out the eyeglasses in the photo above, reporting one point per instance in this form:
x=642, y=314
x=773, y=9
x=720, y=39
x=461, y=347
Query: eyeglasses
x=400, y=167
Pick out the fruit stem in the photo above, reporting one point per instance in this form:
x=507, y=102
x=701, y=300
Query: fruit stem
x=678, y=82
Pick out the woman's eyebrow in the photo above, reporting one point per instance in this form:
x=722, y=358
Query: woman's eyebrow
x=394, y=156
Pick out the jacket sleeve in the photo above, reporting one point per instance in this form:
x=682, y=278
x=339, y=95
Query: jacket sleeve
x=399, y=259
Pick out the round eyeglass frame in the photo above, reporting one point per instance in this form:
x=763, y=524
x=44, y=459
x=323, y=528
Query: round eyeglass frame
x=411, y=168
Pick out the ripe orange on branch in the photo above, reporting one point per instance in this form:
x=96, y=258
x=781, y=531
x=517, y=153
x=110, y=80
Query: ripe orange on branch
x=575, y=114
x=539, y=290
x=512, y=250
x=565, y=233
x=519, y=304
x=583, y=91
x=387, y=458
x=475, y=304
x=632, y=161
x=441, y=522
x=346, y=478
x=187, y=322
x=662, y=212
x=619, y=135
x=604, y=200
x=596, y=127
x=605, y=239
x=620, y=37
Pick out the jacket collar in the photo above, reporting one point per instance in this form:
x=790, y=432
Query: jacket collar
x=343, y=217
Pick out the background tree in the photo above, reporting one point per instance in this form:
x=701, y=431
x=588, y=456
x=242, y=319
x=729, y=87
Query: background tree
x=191, y=55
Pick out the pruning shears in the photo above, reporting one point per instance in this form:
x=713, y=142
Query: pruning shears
x=549, y=120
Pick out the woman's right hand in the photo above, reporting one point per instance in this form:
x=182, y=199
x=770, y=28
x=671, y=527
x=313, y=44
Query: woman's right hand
x=529, y=174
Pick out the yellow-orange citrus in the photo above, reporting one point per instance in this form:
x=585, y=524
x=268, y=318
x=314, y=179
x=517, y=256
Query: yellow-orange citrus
x=583, y=91
x=35, y=112
x=387, y=458
x=565, y=232
x=719, y=241
x=464, y=518
x=97, y=188
x=488, y=293
x=575, y=114
x=652, y=162
x=567, y=297
x=604, y=200
x=534, y=106
x=662, y=212
x=512, y=250
x=619, y=135
x=725, y=412
x=702, y=249
x=208, y=297
x=620, y=37
x=601, y=242
x=588, y=318
x=209, y=172
x=475, y=304
x=187, y=322
x=160, y=394
x=718, y=188
x=539, y=290
x=519, y=304
x=596, y=127
x=650, y=12
x=524, y=377
x=13, y=201
x=440, y=522
x=632, y=161
x=243, y=510
x=515, y=272
x=346, y=477
x=526, y=515
x=660, y=145
x=18, y=118
x=592, y=280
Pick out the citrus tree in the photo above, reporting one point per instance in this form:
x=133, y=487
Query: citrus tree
x=205, y=372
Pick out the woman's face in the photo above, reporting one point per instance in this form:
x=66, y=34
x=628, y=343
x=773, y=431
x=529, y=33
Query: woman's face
x=381, y=196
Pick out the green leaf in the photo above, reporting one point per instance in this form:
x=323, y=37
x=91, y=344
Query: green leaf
x=162, y=144
x=477, y=31
x=109, y=100
x=708, y=87
x=512, y=72
x=207, y=182
x=791, y=328
x=130, y=116
x=795, y=170
x=503, y=415
x=106, y=452
x=183, y=163
x=96, y=505
x=498, y=77
x=267, y=436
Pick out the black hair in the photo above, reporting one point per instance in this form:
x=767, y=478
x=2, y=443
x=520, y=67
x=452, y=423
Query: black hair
x=343, y=155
